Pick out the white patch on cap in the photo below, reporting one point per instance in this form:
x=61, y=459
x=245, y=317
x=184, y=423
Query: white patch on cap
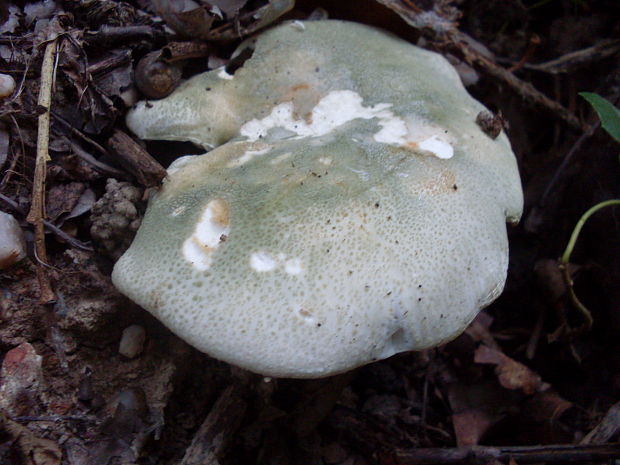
x=325, y=160
x=342, y=106
x=335, y=109
x=177, y=211
x=263, y=261
x=247, y=156
x=281, y=158
x=428, y=137
x=211, y=230
x=439, y=148
x=223, y=74
x=293, y=266
x=393, y=130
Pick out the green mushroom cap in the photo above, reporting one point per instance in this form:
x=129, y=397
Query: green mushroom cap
x=350, y=209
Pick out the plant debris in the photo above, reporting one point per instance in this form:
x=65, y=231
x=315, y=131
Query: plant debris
x=88, y=378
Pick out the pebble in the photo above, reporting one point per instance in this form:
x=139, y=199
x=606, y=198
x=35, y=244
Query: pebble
x=12, y=242
x=132, y=341
x=21, y=379
x=7, y=85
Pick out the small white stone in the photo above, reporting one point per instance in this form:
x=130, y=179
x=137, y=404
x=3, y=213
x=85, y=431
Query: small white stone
x=7, y=85
x=12, y=242
x=132, y=341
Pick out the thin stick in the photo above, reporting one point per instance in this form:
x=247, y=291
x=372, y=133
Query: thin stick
x=79, y=134
x=36, y=216
x=520, y=454
x=59, y=233
x=444, y=35
x=97, y=165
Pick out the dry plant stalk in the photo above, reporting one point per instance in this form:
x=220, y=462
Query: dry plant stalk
x=36, y=216
x=444, y=35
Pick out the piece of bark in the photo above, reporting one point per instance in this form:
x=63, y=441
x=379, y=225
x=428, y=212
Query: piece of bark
x=606, y=429
x=136, y=160
x=111, y=35
x=176, y=51
x=216, y=431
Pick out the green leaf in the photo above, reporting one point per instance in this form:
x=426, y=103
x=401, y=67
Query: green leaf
x=609, y=114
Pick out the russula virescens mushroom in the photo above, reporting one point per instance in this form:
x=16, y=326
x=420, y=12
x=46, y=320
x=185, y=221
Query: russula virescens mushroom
x=350, y=210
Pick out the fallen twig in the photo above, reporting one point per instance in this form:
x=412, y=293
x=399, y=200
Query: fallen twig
x=8, y=173
x=110, y=35
x=445, y=36
x=136, y=160
x=574, y=60
x=72, y=241
x=36, y=216
x=79, y=133
x=108, y=63
x=96, y=164
x=520, y=454
x=373, y=438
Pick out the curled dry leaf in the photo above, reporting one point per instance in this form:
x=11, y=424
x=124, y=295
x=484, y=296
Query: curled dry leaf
x=189, y=19
x=470, y=425
x=62, y=198
x=34, y=450
x=185, y=17
x=479, y=330
x=510, y=373
x=546, y=407
x=112, y=75
x=476, y=409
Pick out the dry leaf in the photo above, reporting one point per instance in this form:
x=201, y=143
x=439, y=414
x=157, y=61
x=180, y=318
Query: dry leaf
x=511, y=374
x=62, y=198
x=35, y=450
x=470, y=425
x=229, y=7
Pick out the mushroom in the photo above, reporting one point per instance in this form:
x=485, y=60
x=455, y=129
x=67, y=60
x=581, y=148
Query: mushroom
x=351, y=209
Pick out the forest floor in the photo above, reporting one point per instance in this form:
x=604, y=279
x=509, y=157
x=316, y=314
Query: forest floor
x=528, y=381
